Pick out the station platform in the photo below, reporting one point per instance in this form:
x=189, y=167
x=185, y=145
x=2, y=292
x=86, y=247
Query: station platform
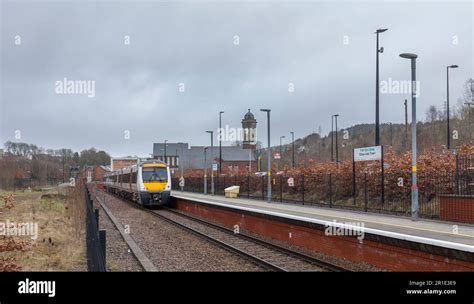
x=449, y=235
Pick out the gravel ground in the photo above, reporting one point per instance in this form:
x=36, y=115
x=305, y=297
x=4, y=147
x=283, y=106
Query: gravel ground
x=347, y=264
x=119, y=256
x=172, y=249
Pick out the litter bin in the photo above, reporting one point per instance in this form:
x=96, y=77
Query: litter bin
x=232, y=192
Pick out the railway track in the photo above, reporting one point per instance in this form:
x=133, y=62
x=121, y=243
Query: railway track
x=267, y=255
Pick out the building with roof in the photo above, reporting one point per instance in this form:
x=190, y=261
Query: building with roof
x=234, y=158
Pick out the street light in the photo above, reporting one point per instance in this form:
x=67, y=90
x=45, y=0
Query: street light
x=293, y=147
x=448, y=135
x=332, y=138
x=269, y=158
x=469, y=104
x=164, y=157
x=377, y=119
x=212, y=161
x=406, y=123
x=205, y=171
x=337, y=148
x=414, y=186
x=279, y=160
x=220, y=143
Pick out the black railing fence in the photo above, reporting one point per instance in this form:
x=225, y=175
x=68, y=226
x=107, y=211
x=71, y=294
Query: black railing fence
x=362, y=191
x=95, y=238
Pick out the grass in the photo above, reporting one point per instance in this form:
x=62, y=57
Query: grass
x=60, y=243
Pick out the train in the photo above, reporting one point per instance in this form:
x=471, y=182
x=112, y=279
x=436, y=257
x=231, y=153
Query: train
x=148, y=183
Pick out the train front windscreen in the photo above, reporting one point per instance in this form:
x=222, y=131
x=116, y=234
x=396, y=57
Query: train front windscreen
x=154, y=174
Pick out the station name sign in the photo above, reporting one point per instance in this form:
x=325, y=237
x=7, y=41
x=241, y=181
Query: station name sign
x=368, y=153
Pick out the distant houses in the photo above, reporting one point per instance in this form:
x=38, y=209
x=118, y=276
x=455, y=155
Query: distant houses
x=235, y=159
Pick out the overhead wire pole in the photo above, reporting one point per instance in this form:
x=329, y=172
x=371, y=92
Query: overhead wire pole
x=269, y=159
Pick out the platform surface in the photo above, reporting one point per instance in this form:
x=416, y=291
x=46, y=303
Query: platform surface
x=439, y=233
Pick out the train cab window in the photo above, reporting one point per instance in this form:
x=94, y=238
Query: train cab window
x=154, y=174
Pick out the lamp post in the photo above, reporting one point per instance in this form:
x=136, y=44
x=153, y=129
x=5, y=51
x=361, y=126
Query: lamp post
x=414, y=186
x=448, y=135
x=181, y=159
x=293, y=148
x=337, y=148
x=377, y=119
x=205, y=171
x=269, y=158
x=469, y=104
x=164, y=157
x=220, y=142
x=279, y=160
x=212, y=161
x=332, y=137
x=406, y=123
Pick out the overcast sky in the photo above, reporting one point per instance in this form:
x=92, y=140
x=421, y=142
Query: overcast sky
x=137, y=85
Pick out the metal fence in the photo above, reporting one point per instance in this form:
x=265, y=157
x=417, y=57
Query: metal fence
x=95, y=238
x=364, y=191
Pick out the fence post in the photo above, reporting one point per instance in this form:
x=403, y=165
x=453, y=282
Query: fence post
x=248, y=185
x=383, y=177
x=96, y=213
x=302, y=187
x=353, y=178
x=330, y=190
x=366, y=192
x=281, y=190
x=102, y=242
x=457, y=174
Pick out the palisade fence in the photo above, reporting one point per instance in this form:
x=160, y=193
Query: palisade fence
x=95, y=238
x=362, y=191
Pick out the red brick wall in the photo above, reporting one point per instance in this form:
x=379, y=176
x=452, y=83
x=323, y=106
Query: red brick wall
x=383, y=256
x=122, y=163
x=98, y=174
x=457, y=208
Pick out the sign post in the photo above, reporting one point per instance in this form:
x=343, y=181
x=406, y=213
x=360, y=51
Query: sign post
x=367, y=154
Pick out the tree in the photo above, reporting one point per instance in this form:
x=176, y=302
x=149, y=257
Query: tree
x=432, y=114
